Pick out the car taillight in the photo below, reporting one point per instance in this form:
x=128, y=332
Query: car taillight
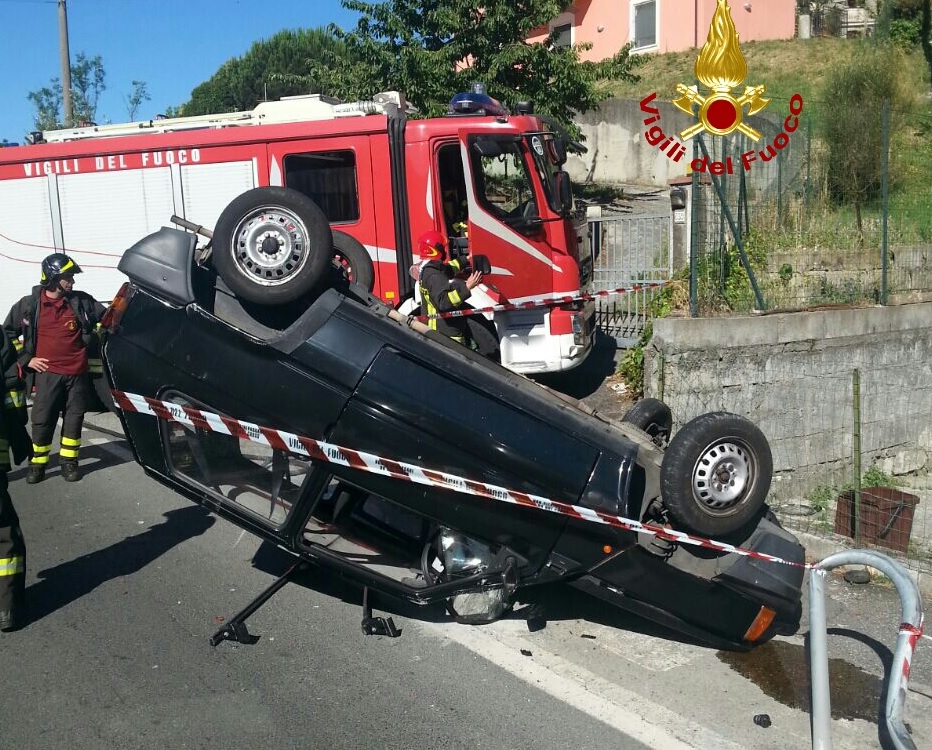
x=111, y=318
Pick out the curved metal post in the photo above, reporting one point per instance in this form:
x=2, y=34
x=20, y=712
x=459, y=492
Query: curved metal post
x=897, y=681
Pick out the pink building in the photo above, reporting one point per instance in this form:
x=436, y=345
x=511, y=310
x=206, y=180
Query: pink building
x=664, y=25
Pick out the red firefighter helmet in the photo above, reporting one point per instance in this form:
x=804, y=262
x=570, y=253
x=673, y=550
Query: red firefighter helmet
x=432, y=245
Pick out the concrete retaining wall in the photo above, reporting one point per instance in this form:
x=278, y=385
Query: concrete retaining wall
x=792, y=373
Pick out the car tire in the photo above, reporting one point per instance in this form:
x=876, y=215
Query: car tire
x=653, y=416
x=272, y=245
x=716, y=473
x=352, y=262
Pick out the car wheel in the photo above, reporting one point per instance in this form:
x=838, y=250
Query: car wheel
x=654, y=417
x=272, y=245
x=352, y=261
x=716, y=473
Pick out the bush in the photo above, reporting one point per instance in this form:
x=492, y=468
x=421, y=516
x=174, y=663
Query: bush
x=853, y=132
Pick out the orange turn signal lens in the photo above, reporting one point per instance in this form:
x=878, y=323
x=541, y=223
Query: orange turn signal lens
x=607, y=549
x=760, y=625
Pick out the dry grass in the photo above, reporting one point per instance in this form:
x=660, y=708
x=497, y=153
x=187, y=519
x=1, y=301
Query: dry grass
x=784, y=67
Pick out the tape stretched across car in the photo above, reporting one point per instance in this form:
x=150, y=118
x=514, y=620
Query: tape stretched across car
x=343, y=368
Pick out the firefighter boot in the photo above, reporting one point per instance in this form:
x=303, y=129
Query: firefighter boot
x=36, y=473
x=69, y=471
x=8, y=620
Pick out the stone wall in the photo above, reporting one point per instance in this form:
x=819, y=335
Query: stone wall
x=793, y=374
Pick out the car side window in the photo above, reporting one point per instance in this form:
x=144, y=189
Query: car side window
x=252, y=476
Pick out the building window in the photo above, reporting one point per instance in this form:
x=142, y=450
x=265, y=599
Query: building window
x=563, y=35
x=645, y=24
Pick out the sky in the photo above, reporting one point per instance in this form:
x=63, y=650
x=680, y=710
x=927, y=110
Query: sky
x=172, y=45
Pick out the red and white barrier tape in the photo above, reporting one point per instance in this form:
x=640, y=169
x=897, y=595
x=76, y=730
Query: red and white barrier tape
x=320, y=450
x=546, y=302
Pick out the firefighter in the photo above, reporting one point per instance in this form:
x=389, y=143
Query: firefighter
x=59, y=326
x=13, y=437
x=441, y=288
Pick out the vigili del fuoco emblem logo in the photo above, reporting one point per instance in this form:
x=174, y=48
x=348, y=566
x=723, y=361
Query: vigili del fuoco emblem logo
x=722, y=69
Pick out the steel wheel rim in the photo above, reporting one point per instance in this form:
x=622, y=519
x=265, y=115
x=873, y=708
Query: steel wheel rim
x=270, y=246
x=722, y=476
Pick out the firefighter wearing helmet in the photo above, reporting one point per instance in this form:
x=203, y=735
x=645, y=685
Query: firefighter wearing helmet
x=442, y=289
x=59, y=327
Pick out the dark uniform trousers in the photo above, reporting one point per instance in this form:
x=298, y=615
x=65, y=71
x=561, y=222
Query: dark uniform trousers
x=12, y=546
x=68, y=395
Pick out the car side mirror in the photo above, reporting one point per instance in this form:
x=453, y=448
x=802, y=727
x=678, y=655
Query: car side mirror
x=559, y=151
x=564, y=190
x=481, y=264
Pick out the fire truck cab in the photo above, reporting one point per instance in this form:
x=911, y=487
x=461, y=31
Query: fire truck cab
x=491, y=181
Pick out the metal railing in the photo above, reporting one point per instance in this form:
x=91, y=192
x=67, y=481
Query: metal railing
x=898, y=679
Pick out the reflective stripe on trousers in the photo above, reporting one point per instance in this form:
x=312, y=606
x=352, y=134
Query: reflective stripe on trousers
x=40, y=454
x=10, y=566
x=14, y=400
x=69, y=448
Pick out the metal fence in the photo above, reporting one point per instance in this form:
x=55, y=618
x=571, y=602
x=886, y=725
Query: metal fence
x=776, y=235
x=628, y=249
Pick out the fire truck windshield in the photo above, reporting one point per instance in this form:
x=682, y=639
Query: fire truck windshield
x=504, y=183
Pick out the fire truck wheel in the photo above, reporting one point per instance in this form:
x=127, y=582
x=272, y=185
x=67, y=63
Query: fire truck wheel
x=272, y=245
x=716, y=473
x=352, y=261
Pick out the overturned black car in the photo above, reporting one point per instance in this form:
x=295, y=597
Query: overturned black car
x=419, y=470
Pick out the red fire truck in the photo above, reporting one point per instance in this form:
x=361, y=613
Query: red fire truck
x=490, y=180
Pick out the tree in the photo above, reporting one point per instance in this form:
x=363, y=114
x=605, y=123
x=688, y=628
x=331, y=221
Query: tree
x=48, y=103
x=87, y=84
x=271, y=69
x=134, y=101
x=431, y=49
x=853, y=133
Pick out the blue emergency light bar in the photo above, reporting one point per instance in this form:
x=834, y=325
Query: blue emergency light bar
x=476, y=102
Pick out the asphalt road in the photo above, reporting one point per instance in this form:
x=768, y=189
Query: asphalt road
x=127, y=581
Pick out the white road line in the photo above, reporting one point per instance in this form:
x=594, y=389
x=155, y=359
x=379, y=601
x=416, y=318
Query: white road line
x=109, y=445
x=651, y=724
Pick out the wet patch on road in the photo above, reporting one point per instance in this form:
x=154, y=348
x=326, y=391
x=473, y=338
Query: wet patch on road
x=781, y=670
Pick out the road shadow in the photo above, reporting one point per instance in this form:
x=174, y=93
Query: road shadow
x=536, y=606
x=69, y=581
x=583, y=381
x=93, y=458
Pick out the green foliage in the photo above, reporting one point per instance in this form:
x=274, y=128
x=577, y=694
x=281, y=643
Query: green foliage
x=134, y=101
x=663, y=303
x=431, y=49
x=847, y=292
x=821, y=498
x=722, y=275
x=271, y=69
x=853, y=133
x=87, y=84
x=875, y=477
